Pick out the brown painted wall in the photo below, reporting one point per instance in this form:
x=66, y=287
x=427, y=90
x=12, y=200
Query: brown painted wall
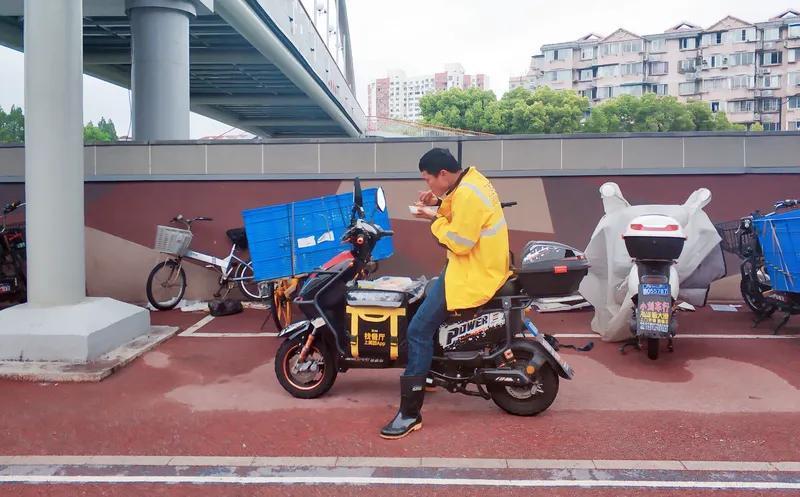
x=121, y=217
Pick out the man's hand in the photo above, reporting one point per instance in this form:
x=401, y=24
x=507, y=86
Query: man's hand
x=428, y=198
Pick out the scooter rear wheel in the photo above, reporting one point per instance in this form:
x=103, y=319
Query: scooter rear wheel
x=531, y=400
x=652, y=348
x=312, y=378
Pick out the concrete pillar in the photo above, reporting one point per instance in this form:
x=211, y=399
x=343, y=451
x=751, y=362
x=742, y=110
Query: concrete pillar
x=59, y=323
x=160, y=68
x=54, y=152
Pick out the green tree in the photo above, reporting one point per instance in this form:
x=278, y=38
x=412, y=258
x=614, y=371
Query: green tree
x=12, y=125
x=652, y=112
x=92, y=133
x=541, y=111
x=108, y=128
x=457, y=108
x=519, y=111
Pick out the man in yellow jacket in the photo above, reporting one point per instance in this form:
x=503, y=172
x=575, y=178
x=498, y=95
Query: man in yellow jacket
x=471, y=226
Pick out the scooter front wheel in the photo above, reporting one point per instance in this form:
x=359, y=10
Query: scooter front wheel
x=308, y=379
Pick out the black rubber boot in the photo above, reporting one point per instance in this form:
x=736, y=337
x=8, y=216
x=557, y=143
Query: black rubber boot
x=408, y=418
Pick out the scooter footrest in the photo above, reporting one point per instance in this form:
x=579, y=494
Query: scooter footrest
x=465, y=356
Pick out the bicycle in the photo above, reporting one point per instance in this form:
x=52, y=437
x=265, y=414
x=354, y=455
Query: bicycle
x=166, y=283
x=13, y=261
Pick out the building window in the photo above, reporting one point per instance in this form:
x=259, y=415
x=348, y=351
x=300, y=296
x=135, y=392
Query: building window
x=587, y=53
x=610, y=49
x=741, y=81
x=660, y=89
x=770, y=58
x=770, y=105
x=794, y=125
x=794, y=31
x=748, y=34
x=689, y=88
x=771, y=126
x=688, y=43
x=742, y=59
x=563, y=75
x=715, y=61
x=794, y=102
x=632, y=46
x=658, y=45
x=740, y=106
x=607, y=71
x=714, y=84
x=767, y=82
x=687, y=65
x=623, y=47
x=561, y=54
x=772, y=34
x=635, y=90
x=631, y=69
x=714, y=38
x=714, y=106
x=658, y=68
x=793, y=78
x=604, y=92
x=586, y=75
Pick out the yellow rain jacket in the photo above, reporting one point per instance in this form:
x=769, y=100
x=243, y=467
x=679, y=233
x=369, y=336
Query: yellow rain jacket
x=471, y=225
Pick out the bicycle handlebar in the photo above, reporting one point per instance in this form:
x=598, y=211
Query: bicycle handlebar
x=188, y=222
x=8, y=209
x=785, y=204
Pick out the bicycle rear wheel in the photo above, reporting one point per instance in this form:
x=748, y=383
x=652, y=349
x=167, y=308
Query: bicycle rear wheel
x=249, y=287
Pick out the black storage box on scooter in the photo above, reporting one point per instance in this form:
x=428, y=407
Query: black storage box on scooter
x=377, y=321
x=551, y=269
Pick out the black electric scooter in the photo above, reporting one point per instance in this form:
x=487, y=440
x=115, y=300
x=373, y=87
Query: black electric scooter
x=354, y=324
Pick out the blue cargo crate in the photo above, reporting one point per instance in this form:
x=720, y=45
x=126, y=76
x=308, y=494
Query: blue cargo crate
x=779, y=236
x=299, y=237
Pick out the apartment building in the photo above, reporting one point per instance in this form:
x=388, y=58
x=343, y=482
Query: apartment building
x=750, y=71
x=397, y=96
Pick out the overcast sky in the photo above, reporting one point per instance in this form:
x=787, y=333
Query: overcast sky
x=495, y=37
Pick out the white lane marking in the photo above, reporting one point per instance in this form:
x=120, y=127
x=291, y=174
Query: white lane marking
x=190, y=330
x=362, y=481
x=404, y=462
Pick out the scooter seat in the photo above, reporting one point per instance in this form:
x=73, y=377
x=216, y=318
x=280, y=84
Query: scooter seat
x=509, y=289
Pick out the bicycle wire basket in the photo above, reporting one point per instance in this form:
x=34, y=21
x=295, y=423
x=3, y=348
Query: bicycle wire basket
x=734, y=239
x=171, y=240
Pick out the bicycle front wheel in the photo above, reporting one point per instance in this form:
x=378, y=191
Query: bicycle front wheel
x=166, y=285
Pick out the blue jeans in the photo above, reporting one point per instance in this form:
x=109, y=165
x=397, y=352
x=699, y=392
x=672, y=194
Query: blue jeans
x=425, y=323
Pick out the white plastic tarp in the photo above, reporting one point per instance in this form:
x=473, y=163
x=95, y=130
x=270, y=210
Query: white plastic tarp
x=606, y=286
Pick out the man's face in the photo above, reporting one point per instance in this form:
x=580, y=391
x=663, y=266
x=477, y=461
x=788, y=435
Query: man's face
x=440, y=183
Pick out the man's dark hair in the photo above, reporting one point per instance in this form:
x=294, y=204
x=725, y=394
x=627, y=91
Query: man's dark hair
x=437, y=160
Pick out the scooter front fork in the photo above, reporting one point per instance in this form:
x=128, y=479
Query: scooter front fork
x=306, y=348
